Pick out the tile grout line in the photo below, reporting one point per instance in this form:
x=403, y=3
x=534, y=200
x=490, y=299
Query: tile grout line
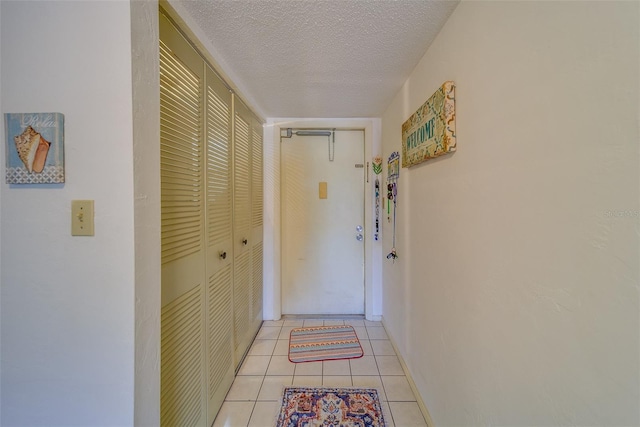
x=255, y=402
x=384, y=389
x=251, y=414
x=426, y=416
x=265, y=374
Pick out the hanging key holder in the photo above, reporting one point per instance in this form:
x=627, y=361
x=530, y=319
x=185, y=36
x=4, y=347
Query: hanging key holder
x=393, y=168
x=377, y=170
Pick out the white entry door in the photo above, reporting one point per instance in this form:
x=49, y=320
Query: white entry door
x=322, y=246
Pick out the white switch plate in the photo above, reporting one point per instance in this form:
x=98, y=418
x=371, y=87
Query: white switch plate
x=82, y=218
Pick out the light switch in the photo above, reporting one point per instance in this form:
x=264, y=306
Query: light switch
x=82, y=218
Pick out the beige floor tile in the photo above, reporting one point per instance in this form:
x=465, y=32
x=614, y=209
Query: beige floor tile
x=234, y=414
x=264, y=414
x=397, y=389
x=407, y=414
x=366, y=347
x=370, y=381
x=280, y=365
x=336, y=381
x=382, y=348
x=336, y=367
x=361, y=332
x=282, y=348
x=254, y=365
x=366, y=365
x=286, y=331
x=379, y=368
x=272, y=323
x=296, y=323
x=308, y=368
x=389, y=365
x=354, y=322
x=273, y=386
x=377, y=333
x=262, y=348
x=245, y=388
x=308, y=323
x=269, y=333
x=386, y=413
x=307, y=380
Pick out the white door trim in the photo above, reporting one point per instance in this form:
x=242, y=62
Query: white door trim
x=272, y=226
x=316, y=281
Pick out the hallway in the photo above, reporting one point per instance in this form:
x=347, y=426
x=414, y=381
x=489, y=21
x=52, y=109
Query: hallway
x=513, y=300
x=254, y=398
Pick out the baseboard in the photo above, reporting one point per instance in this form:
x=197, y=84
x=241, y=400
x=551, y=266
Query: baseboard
x=372, y=318
x=421, y=405
x=321, y=316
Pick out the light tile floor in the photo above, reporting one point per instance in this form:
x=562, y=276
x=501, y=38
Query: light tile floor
x=254, y=398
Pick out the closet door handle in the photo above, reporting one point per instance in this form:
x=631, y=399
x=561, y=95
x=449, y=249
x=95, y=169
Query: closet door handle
x=223, y=255
x=244, y=242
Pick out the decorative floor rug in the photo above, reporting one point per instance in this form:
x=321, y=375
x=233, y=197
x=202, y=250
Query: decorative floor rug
x=324, y=343
x=330, y=407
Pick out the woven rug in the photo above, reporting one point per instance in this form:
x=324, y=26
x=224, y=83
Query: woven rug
x=330, y=407
x=324, y=343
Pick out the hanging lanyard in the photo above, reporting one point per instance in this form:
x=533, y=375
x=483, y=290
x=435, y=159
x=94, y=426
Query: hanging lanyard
x=393, y=165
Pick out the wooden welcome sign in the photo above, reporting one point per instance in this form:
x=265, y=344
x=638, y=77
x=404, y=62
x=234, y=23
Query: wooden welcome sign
x=431, y=131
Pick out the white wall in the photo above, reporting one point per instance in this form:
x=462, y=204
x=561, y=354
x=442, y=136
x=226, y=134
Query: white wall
x=272, y=295
x=272, y=224
x=68, y=302
x=515, y=297
x=1, y=159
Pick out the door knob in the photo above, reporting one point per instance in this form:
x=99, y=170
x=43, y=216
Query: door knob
x=223, y=255
x=244, y=242
x=359, y=237
x=359, y=229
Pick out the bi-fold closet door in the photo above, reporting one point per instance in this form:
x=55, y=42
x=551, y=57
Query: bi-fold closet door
x=211, y=196
x=247, y=214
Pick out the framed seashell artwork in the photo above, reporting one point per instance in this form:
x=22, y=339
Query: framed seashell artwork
x=35, y=148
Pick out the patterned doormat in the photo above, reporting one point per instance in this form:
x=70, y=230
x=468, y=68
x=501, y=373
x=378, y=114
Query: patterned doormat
x=329, y=406
x=324, y=343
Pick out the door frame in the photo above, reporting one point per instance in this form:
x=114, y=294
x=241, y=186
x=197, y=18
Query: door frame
x=362, y=187
x=272, y=205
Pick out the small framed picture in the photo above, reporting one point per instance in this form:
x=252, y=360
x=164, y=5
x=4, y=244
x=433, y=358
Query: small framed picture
x=35, y=148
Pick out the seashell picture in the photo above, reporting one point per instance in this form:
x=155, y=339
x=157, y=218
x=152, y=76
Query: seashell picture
x=35, y=148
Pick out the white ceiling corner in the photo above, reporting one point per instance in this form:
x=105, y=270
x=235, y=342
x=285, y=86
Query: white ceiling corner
x=317, y=58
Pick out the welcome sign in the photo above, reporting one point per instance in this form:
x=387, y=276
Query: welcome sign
x=431, y=131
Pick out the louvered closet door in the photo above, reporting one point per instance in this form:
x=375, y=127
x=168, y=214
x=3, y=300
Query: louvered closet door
x=242, y=230
x=183, y=223
x=219, y=244
x=256, y=222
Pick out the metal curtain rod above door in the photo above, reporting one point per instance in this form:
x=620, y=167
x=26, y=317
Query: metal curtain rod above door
x=284, y=132
x=289, y=132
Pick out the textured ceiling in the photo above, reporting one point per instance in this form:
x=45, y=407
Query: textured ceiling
x=318, y=58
